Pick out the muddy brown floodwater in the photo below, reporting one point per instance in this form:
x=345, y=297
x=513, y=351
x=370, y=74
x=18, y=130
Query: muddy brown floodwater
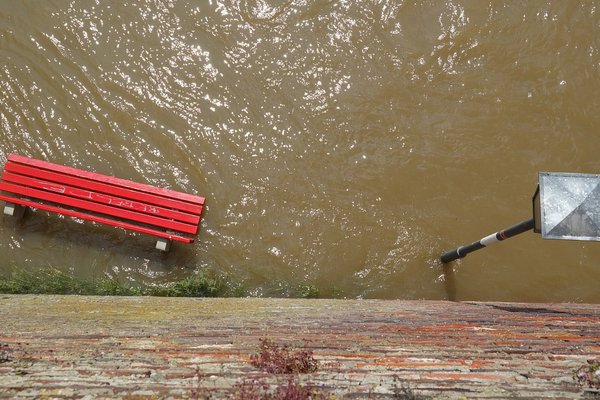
x=342, y=146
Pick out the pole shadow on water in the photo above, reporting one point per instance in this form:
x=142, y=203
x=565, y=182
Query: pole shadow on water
x=449, y=282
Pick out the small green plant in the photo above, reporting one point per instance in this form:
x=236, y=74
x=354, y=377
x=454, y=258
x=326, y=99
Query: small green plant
x=309, y=291
x=194, y=286
x=277, y=359
x=335, y=292
x=589, y=374
x=111, y=287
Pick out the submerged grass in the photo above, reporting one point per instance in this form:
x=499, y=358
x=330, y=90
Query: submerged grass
x=51, y=280
x=54, y=281
x=194, y=286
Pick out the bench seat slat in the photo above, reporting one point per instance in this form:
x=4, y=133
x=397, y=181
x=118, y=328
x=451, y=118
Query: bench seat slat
x=103, y=220
x=102, y=187
x=99, y=208
x=106, y=178
x=100, y=198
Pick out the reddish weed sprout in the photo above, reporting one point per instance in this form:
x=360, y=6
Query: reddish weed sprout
x=258, y=389
x=589, y=374
x=283, y=360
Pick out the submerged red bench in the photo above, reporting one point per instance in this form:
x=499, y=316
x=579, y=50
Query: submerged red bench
x=167, y=214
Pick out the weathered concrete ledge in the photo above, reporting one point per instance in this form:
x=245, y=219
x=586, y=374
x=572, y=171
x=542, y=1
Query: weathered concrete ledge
x=142, y=347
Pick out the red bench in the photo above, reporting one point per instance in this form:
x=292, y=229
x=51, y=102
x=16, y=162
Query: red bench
x=164, y=213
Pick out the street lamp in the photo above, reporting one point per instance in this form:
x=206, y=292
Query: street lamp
x=565, y=206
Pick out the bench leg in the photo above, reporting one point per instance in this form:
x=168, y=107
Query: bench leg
x=163, y=244
x=14, y=210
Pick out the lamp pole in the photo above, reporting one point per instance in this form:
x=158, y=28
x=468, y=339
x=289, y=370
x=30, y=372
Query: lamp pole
x=499, y=236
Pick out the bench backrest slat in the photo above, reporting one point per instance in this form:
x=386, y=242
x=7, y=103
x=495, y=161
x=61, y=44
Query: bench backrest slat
x=140, y=187
x=99, y=208
x=100, y=198
x=102, y=187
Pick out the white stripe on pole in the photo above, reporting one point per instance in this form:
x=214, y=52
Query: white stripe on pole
x=489, y=240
